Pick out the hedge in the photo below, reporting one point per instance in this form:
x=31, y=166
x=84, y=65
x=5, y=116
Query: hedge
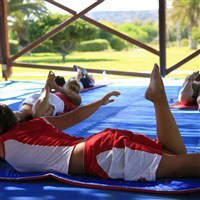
x=94, y=45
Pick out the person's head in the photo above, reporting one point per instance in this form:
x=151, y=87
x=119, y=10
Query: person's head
x=7, y=118
x=60, y=80
x=72, y=84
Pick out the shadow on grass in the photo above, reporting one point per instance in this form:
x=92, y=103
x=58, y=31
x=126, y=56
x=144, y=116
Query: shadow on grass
x=51, y=60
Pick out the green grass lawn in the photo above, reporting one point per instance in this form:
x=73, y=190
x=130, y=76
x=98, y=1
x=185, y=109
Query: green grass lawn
x=137, y=60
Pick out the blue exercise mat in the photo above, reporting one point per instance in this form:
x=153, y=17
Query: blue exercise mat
x=130, y=111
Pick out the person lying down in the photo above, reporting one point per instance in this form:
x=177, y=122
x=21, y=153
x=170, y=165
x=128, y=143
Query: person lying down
x=39, y=145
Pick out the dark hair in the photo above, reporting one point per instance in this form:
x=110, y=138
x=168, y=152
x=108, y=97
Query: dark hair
x=7, y=118
x=60, y=80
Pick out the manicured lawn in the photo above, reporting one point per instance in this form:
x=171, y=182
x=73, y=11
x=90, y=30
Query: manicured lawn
x=136, y=60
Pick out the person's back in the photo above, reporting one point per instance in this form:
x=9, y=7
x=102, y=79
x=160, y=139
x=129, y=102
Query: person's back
x=41, y=148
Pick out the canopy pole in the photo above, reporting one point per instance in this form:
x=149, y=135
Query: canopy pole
x=4, y=42
x=162, y=36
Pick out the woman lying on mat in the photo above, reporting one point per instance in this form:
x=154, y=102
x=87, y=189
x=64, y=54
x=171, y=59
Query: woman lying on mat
x=40, y=146
x=190, y=92
x=49, y=103
x=85, y=80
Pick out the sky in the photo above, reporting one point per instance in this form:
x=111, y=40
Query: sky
x=107, y=5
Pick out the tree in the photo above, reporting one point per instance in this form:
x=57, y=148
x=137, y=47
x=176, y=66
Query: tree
x=187, y=13
x=20, y=13
x=65, y=41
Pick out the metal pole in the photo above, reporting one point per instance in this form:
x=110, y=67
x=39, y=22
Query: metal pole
x=162, y=36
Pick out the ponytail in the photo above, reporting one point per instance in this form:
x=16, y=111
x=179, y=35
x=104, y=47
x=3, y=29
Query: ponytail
x=7, y=118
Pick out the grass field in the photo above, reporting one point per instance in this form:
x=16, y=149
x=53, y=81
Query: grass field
x=137, y=60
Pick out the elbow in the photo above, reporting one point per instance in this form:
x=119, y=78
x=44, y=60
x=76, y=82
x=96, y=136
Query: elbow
x=77, y=101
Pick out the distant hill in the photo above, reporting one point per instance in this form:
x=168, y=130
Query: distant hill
x=124, y=16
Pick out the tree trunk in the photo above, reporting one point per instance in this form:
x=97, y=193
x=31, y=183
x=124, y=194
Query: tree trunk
x=63, y=56
x=178, y=34
x=192, y=43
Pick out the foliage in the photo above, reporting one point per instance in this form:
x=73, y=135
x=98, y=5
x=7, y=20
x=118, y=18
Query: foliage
x=20, y=12
x=135, y=32
x=27, y=7
x=13, y=46
x=196, y=34
x=94, y=45
x=186, y=14
x=66, y=40
x=135, y=29
x=152, y=32
x=102, y=34
x=117, y=43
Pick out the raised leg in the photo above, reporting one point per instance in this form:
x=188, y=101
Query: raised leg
x=186, y=93
x=198, y=97
x=90, y=77
x=167, y=130
x=42, y=107
x=79, y=74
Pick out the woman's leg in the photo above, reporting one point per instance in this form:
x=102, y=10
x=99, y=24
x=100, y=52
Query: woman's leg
x=42, y=107
x=167, y=130
x=90, y=77
x=198, y=97
x=186, y=93
x=79, y=74
x=179, y=166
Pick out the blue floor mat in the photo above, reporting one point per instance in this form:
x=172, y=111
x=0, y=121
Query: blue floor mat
x=130, y=111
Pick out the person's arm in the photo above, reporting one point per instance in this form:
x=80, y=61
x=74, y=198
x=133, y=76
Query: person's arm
x=73, y=96
x=74, y=117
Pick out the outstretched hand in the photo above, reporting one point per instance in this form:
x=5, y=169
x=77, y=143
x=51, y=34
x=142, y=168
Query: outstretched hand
x=106, y=99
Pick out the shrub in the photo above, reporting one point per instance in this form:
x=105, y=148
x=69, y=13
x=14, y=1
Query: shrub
x=196, y=34
x=94, y=45
x=117, y=43
x=184, y=42
x=13, y=46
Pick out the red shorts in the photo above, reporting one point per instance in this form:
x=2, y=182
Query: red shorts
x=121, y=154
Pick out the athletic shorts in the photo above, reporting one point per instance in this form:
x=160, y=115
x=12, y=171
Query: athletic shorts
x=86, y=83
x=120, y=154
x=54, y=100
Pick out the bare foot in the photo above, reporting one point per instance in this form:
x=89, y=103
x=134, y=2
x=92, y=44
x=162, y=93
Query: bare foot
x=193, y=76
x=156, y=91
